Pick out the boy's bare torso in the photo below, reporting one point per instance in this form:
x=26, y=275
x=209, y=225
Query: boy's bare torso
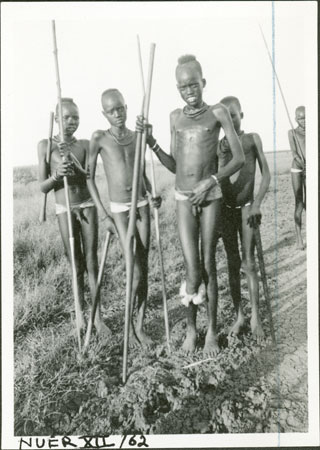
x=78, y=190
x=299, y=135
x=118, y=163
x=196, y=141
x=238, y=190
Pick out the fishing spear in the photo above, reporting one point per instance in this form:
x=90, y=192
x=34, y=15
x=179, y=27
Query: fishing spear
x=66, y=191
x=156, y=213
x=301, y=155
x=257, y=238
x=129, y=250
x=97, y=290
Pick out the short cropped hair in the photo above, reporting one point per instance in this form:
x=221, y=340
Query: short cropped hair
x=189, y=59
x=65, y=100
x=231, y=99
x=300, y=108
x=110, y=91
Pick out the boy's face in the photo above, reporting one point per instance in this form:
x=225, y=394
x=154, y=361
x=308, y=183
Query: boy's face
x=236, y=115
x=190, y=85
x=70, y=118
x=114, y=109
x=301, y=117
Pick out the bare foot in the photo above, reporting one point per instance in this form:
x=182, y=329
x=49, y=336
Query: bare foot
x=144, y=339
x=133, y=339
x=102, y=328
x=300, y=245
x=211, y=347
x=189, y=344
x=236, y=326
x=256, y=329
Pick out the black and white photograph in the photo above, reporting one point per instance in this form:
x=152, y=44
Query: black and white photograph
x=159, y=224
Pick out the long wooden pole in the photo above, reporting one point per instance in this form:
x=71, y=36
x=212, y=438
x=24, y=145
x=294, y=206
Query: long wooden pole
x=257, y=237
x=282, y=95
x=66, y=190
x=156, y=215
x=132, y=220
x=97, y=291
x=43, y=216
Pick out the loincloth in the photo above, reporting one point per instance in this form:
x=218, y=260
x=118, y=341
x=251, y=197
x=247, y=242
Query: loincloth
x=60, y=209
x=117, y=207
x=213, y=194
x=238, y=207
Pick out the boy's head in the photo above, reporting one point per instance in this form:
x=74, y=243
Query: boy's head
x=301, y=116
x=235, y=110
x=190, y=81
x=70, y=116
x=114, y=107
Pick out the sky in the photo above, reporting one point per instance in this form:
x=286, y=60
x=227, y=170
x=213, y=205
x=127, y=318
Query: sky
x=97, y=49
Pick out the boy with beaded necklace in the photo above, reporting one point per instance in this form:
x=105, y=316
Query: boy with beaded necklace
x=193, y=158
x=116, y=147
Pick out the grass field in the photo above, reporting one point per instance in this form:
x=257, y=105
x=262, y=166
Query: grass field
x=247, y=388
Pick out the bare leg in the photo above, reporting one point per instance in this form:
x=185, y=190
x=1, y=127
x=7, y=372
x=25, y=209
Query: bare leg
x=209, y=233
x=121, y=221
x=188, y=228
x=251, y=274
x=142, y=252
x=230, y=223
x=297, y=184
x=89, y=229
x=79, y=259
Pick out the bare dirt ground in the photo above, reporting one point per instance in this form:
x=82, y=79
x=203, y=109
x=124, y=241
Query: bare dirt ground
x=246, y=388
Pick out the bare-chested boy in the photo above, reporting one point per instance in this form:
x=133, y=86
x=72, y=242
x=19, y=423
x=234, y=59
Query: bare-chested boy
x=117, y=149
x=241, y=213
x=193, y=158
x=84, y=213
x=298, y=169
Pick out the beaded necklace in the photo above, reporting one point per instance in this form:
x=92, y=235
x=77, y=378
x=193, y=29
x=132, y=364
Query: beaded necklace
x=124, y=139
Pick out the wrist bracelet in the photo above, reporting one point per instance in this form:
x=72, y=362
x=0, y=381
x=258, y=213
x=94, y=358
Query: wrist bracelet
x=215, y=179
x=156, y=148
x=154, y=145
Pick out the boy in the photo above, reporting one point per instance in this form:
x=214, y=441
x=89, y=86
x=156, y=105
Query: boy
x=117, y=149
x=193, y=158
x=298, y=175
x=241, y=213
x=84, y=213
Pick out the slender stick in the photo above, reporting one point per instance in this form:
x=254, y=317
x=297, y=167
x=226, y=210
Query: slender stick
x=132, y=220
x=257, y=237
x=66, y=190
x=156, y=216
x=140, y=65
x=282, y=95
x=43, y=216
x=197, y=363
x=97, y=292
